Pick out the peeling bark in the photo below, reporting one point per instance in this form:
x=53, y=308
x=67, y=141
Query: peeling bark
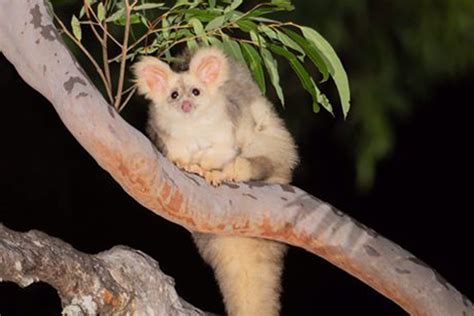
x=284, y=213
x=120, y=281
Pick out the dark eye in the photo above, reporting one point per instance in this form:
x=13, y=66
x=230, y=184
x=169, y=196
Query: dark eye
x=174, y=94
x=196, y=92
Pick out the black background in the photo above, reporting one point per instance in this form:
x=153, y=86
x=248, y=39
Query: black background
x=421, y=200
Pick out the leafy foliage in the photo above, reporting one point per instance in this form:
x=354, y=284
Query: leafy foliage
x=248, y=35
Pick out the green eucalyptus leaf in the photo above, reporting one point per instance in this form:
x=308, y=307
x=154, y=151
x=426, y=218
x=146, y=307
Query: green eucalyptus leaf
x=202, y=15
x=246, y=25
x=257, y=39
x=337, y=72
x=272, y=70
x=214, y=41
x=76, y=28
x=101, y=12
x=234, y=5
x=232, y=48
x=322, y=99
x=298, y=68
x=284, y=4
x=311, y=51
x=288, y=42
x=82, y=12
x=192, y=44
x=165, y=26
x=197, y=26
x=148, y=6
x=254, y=61
x=134, y=19
x=116, y=15
x=212, y=4
x=216, y=22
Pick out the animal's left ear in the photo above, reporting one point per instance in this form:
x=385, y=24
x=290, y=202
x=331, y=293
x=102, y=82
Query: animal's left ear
x=210, y=65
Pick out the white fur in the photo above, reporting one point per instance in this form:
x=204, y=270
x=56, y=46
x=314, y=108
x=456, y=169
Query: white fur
x=248, y=271
x=250, y=143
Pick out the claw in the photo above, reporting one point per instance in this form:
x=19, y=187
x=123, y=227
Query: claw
x=214, y=177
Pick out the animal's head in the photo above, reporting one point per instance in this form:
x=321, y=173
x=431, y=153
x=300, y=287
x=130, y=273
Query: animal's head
x=185, y=92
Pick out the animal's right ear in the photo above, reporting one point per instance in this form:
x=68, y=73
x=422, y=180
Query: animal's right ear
x=152, y=76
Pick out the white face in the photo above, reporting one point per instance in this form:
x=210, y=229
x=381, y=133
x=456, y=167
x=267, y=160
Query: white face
x=186, y=94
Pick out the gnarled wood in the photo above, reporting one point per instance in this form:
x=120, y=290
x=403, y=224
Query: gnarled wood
x=30, y=41
x=118, y=281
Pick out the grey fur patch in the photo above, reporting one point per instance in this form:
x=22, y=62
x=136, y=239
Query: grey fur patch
x=233, y=111
x=69, y=84
x=371, y=251
x=48, y=32
x=262, y=167
x=402, y=271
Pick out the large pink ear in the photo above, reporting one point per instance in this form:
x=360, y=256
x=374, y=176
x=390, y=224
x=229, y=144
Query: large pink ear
x=210, y=65
x=152, y=76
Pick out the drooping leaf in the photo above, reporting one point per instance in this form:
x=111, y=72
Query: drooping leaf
x=214, y=41
x=311, y=51
x=272, y=70
x=298, y=68
x=232, y=48
x=197, y=26
x=282, y=38
x=76, y=28
x=337, y=70
x=322, y=99
x=254, y=61
x=192, y=44
x=288, y=42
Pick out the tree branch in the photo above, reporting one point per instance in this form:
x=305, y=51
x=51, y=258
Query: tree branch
x=120, y=280
x=279, y=212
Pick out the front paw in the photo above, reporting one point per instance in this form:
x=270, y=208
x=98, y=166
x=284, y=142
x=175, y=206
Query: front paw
x=189, y=167
x=214, y=177
x=238, y=170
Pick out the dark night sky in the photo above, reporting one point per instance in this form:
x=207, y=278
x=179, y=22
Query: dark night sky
x=421, y=200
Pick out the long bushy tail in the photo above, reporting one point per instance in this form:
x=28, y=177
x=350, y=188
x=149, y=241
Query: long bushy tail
x=248, y=271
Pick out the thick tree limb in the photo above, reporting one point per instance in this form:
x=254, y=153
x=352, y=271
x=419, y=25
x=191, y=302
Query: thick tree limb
x=30, y=41
x=119, y=281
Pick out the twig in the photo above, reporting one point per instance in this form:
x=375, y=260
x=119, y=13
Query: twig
x=118, y=96
x=88, y=55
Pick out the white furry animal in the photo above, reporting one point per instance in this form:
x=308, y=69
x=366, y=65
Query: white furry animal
x=212, y=119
